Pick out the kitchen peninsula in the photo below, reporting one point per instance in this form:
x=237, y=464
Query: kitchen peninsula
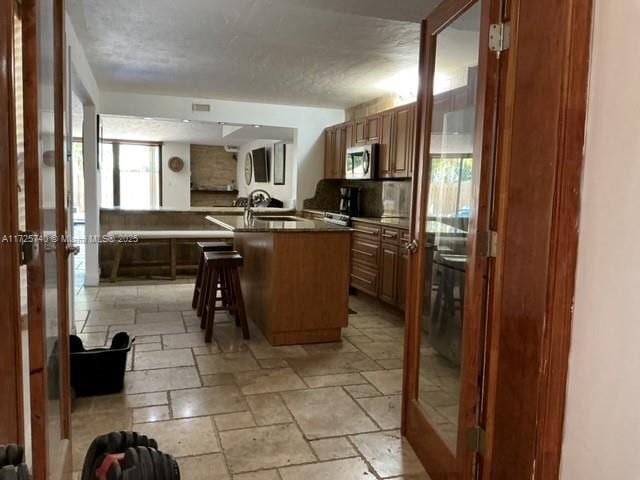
x=295, y=278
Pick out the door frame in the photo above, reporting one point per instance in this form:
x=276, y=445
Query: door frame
x=441, y=462
x=11, y=378
x=541, y=139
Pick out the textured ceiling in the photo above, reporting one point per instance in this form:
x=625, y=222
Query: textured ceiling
x=302, y=52
x=200, y=133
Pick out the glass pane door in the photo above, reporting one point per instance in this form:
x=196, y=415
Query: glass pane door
x=449, y=207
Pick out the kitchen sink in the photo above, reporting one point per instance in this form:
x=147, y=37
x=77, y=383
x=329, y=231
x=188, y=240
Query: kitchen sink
x=269, y=218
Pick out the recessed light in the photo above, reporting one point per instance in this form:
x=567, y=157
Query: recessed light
x=222, y=123
x=186, y=121
x=148, y=118
x=256, y=126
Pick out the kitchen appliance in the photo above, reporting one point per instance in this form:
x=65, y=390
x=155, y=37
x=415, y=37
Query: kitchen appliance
x=361, y=162
x=350, y=201
x=337, y=218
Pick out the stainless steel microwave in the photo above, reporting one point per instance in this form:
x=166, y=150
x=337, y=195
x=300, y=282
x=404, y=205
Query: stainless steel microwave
x=362, y=162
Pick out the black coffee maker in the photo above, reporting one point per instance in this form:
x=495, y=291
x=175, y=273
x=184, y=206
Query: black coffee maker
x=350, y=201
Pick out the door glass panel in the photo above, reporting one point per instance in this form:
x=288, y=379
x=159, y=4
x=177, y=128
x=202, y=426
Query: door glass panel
x=48, y=206
x=448, y=210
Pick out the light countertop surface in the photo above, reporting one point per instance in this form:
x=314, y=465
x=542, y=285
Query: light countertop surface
x=239, y=224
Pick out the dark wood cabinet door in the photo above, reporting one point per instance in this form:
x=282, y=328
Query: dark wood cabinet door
x=401, y=280
x=388, y=272
x=349, y=140
x=404, y=135
x=329, y=140
x=385, y=158
x=338, y=152
x=372, y=129
x=360, y=132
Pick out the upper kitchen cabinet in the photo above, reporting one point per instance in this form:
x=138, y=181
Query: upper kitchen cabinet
x=397, y=135
x=337, y=140
x=360, y=131
x=372, y=128
x=385, y=153
x=404, y=139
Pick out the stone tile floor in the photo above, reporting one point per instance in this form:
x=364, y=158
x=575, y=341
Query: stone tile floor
x=245, y=410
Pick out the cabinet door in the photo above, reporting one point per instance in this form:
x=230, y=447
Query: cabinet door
x=402, y=148
x=329, y=140
x=385, y=159
x=360, y=136
x=372, y=129
x=388, y=272
x=338, y=152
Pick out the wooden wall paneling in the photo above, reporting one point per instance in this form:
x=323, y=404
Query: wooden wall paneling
x=530, y=313
x=12, y=412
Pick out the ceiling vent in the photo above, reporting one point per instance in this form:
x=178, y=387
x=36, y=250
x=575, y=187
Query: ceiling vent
x=201, y=107
x=231, y=149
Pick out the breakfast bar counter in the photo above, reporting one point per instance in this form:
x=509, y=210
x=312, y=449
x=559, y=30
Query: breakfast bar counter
x=295, y=277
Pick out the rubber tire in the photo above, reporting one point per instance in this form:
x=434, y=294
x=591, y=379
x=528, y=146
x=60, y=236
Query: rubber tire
x=14, y=454
x=8, y=472
x=146, y=464
x=3, y=456
x=23, y=472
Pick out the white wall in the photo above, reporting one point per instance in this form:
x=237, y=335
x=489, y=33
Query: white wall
x=176, y=186
x=602, y=427
x=310, y=123
x=286, y=192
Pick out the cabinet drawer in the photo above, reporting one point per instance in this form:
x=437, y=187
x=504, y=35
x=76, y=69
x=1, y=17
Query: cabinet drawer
x=366, y=231
x=390, y=235
x=364, y=279
x=365, y=252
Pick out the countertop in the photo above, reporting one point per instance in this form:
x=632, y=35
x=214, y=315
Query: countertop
x=238, y=224
x=216, y=210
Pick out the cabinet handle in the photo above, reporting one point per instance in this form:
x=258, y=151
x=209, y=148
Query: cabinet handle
x=389, y=235
x=362, y=279
x=364, y=230
x=363, y=252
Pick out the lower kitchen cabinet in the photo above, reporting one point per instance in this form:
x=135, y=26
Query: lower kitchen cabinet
x=379, y=262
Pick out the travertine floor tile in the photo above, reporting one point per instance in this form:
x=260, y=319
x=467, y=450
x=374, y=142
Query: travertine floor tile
x=383, y=350
x=388, y=453
x=148, y=347
x=263, y=475
x=151, y=414
x=163, y=359
x=118, y=402
x=269, y=381
x=389, y=382
x=327, y=412
x=148, y=329
x=226, y=363
x=332, y=364
x=158, y=317
x=362, y=391
x=265, y=447
x=186, y=340
x=204, y=467
x=348, y=469
x=234, y=421
x=218, y=379
x=385, y=411
x=186, y=437
x=333, y=448
x=269, y=409
x=335, y=380
x=337, y=347
x=86, y=427
x=111, y=317
x=161, y=380
x=207, y=401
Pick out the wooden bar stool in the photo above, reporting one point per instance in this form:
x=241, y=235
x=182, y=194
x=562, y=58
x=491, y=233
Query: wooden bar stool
x=205, y=247
x=221, y=268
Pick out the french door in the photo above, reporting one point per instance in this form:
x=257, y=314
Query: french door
x=450, y=260
x=34, y=218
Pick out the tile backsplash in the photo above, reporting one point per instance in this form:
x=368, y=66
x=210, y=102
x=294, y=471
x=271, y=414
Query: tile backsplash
x=389, y=198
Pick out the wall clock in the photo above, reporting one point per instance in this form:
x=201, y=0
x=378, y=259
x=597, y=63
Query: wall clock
x=248, y=168
x=176, y=164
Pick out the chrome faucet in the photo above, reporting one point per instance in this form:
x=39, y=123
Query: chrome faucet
x=257, y=195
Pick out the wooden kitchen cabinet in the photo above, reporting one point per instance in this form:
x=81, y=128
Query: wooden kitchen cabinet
x=379, y=261
x=329, y=151
x=403, y=141
x=372, y=129
x=360, y=137
x=337, y=140
x=385, y=157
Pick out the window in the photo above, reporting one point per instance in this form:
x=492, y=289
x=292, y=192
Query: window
x=130, y=175
x=450, y=189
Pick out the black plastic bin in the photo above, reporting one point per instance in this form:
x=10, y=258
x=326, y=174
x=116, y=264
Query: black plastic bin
x=99, y=371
